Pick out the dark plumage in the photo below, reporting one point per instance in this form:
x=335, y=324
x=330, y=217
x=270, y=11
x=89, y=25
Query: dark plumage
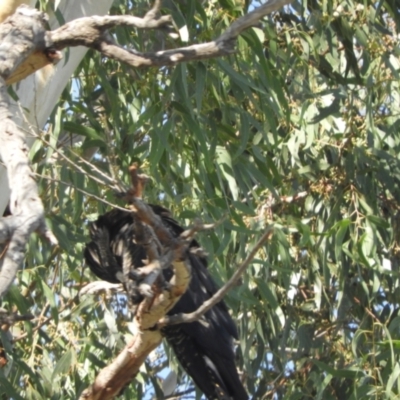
x=204, y=349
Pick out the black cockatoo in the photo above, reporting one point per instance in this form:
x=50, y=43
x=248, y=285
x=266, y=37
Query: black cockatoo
x=203, y=348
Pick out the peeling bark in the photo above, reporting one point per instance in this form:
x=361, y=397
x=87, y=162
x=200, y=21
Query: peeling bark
x=113, y=378
x=25, y=205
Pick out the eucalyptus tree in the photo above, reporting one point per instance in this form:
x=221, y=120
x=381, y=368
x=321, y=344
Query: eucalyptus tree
x=296, y=131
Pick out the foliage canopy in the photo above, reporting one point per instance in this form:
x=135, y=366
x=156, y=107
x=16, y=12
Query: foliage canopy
x=299, y=128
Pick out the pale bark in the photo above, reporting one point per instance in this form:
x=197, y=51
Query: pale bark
x=38, y=93
x=122, y=370
x=25, y=204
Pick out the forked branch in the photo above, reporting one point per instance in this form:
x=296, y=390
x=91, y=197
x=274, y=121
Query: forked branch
x=158, y=299
x=92, y=32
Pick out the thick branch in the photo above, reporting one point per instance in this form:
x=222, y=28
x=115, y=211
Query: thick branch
x=24, y=47
x=91, y=32
x=25, y=204
x=112, y=379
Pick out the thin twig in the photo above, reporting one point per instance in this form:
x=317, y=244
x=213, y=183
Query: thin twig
x=251, y=19
x=45, y=321
x=198, y=226
x=219, y=295
x=112, y=181
x=178, y=395
x=82, y=191
x=78, y=167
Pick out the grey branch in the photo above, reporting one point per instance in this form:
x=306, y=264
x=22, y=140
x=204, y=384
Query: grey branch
x=25, y=204
x=92, y=32
x=199, y=226
x=251, y=19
